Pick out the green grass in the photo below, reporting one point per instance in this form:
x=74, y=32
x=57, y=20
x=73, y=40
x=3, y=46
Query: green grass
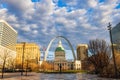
x=75, y=71
x=65, y=71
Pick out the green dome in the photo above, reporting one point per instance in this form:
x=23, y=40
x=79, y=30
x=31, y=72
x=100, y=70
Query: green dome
x=59, y=49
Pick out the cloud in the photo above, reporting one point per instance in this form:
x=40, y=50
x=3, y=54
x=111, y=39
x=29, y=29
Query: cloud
x=26, y=29
x=19, y=7
x=35, y=32
x=78, y=20
x=92, y=3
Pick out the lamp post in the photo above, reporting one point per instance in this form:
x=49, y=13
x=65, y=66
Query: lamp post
x=23, y=58
x=60, y=66
x=114, y=61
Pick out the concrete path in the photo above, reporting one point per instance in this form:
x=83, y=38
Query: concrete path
x=42, y=76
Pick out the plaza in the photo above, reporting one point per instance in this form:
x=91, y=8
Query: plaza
x=59, y=40
x=44, y=76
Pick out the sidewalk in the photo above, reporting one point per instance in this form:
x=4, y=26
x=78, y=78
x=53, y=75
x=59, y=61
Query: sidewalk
x=17, y=76
x=42, y=76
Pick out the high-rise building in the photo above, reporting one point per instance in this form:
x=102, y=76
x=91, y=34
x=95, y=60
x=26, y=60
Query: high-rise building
x=116, y=38
x=29, y=51
x=8, y=36
x=116, y=33
x=8, y=39
x=82, y=51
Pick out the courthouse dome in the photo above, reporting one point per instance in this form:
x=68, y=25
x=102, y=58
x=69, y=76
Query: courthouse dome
x=60, y=47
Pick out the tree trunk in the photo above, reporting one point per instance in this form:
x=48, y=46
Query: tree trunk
x=3, y=68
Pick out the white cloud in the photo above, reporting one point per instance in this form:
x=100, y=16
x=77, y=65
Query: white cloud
x=92, y=3
x=48, y=20
x=76, y=13
x=26, y=29
x=20, y=5
x=34, y=26
x=12, y=18
x=3, y=13
x=35, y=32
x=45, y=6
x=60, y=12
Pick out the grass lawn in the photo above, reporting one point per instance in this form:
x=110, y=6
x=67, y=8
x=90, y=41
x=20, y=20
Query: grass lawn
x=65, y=71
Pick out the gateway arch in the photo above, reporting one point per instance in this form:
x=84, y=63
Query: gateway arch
x=46, y=52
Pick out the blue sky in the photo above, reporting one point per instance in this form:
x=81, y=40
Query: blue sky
x=78, y=20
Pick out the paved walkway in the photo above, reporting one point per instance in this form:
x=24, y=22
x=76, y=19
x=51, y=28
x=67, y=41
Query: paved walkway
x=42, y=76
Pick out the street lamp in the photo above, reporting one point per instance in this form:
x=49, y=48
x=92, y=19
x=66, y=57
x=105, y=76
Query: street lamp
x=60, y=66
x=115, y=67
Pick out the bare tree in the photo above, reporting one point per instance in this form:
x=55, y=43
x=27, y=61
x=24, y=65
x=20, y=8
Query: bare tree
x=11, y=63
x=117, y=54
x=27, y=62
x=4, y=56
x=99, y=54
x=46, y=66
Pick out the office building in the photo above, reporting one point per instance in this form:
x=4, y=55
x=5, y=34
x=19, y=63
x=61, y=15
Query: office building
x=116, y=38
x=82, y=55
x=82, y=52
x=8, y=39
x=8, y=36
x=116, y=33
x=27, y=52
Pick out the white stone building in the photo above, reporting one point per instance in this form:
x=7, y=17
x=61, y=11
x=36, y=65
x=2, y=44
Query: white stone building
x=8, y=39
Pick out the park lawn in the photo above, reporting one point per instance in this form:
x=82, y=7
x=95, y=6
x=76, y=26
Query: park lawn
x=65, y=71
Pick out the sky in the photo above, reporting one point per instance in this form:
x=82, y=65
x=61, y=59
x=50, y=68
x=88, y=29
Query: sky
x=79, y=21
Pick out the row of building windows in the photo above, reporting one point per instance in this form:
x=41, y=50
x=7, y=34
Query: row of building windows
x=7, y=37
x=65, y=64
x=26, y=48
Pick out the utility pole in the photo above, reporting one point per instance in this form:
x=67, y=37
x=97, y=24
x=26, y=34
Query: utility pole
x=114, y=61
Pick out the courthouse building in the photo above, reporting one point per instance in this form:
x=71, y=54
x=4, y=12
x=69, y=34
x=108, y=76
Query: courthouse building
x=60, y=60
x=8, y=39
